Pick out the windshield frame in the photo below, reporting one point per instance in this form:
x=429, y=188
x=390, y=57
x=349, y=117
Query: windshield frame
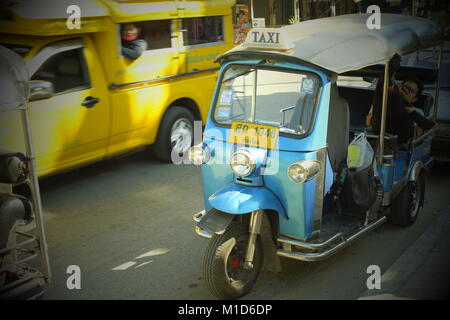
x=272, y=68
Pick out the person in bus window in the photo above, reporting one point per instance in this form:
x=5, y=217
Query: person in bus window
x=132, y=47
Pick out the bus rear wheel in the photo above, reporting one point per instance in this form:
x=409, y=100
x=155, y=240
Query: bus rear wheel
x=175, y=135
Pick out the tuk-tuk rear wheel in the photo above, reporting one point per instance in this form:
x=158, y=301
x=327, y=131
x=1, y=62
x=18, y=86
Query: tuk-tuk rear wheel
x=406, y=206
x=223, y=263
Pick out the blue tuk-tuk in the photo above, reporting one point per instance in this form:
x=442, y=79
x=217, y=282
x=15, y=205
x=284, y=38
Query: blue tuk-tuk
x=275, y=149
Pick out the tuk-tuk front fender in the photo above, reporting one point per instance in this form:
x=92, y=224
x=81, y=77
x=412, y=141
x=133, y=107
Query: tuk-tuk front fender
x=239, y=199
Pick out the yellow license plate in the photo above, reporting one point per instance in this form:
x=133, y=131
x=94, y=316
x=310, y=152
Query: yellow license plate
x=254, y=135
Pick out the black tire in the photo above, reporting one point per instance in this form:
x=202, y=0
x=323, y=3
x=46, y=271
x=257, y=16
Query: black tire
x=163, y=145
x=406, y=206
x=224, y=280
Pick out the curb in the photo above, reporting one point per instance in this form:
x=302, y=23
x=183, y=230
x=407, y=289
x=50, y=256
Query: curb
x=415, y=256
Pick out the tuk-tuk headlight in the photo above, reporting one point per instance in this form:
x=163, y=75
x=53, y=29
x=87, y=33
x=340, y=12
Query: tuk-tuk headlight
x=242, y=163
x=198, y=155
x=303, y=170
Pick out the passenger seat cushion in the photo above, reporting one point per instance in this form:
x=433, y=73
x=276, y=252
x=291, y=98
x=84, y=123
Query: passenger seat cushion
x=338, y=128
x=359, y=102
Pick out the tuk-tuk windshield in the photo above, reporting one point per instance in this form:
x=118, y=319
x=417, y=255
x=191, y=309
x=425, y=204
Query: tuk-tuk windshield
x=274, y=97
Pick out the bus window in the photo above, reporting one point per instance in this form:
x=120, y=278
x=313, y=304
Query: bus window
x=67, y=71
x=155, y=33
x=202, y=30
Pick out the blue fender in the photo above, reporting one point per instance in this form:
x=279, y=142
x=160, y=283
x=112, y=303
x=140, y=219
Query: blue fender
x=240, y=199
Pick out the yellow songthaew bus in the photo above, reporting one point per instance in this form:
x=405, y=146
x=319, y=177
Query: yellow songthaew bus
x=89, y=100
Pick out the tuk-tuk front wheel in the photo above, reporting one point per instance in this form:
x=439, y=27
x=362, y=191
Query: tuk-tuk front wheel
x=406, y=206
x=223, y=265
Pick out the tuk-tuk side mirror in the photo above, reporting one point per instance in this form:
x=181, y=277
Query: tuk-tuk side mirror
x=40, y=89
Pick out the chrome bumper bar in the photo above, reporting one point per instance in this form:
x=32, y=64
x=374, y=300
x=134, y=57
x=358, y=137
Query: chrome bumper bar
x=199, y=231
x=318, y=256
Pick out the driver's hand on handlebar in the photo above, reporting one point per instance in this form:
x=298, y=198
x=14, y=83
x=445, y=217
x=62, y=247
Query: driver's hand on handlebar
x=394, y=63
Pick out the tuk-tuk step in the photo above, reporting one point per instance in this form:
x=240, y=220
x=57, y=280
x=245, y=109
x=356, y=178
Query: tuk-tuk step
x=318, y=256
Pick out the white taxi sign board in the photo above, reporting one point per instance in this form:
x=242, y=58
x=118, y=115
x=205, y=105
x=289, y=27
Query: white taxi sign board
x=268, y=39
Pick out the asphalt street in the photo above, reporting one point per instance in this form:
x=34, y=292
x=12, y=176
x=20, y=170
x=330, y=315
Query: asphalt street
x=126, y=222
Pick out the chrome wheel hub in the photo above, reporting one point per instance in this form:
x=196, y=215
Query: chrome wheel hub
x=181, y=135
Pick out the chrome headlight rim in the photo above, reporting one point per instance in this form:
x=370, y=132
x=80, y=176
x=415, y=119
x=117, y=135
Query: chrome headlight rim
x=251, y=163
x=311, y=167
x=195, y=158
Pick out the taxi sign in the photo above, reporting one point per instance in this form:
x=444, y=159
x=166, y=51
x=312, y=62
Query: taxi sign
x=254, y=135
x=267, y=38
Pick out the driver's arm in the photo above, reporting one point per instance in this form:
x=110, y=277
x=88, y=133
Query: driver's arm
x=421, y=121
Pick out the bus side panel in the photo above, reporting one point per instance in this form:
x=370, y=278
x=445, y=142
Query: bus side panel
x=137, y=112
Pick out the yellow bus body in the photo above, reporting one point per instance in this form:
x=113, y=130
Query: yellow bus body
x=133, y=95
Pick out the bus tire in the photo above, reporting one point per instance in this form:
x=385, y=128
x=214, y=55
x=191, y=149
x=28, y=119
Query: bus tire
x=176, y=131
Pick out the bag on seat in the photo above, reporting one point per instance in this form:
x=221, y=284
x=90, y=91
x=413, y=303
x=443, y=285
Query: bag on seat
x=360, y=153
x=359, y=190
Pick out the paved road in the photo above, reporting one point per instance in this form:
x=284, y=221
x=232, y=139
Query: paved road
x=127, y=224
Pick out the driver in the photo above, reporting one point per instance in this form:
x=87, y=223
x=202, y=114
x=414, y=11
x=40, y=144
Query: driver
x=132, y=47
x=401, y=111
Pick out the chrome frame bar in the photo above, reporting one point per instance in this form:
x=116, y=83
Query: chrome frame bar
x=318, y=198
x=383, y=112
x=318, y=256
x=438, y=83
x=36, y=198
x=17, y=245
x=27, y=278
x=308, y=245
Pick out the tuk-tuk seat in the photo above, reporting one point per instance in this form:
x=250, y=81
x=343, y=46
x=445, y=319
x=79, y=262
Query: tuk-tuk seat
x=425, y=103
x=338, y=128
x=359, y=102
x=302, y=112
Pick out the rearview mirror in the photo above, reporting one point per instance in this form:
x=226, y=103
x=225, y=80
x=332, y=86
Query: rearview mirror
x=40, y=89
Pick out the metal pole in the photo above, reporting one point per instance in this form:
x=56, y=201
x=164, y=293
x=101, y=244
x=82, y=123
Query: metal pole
x=252, y=110
x=383, y=112
x=438, y=83
x=36, y=198
x=333, y=8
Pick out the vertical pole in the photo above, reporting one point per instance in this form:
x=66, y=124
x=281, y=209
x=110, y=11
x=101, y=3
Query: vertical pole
x=383, y=112
x=254, y=88
x=36, y=196
x=438, y=83
x=333, y=8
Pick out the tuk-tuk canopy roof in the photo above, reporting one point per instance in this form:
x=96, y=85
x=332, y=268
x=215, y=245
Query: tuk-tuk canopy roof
x=14, y=80
x=344, y=43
